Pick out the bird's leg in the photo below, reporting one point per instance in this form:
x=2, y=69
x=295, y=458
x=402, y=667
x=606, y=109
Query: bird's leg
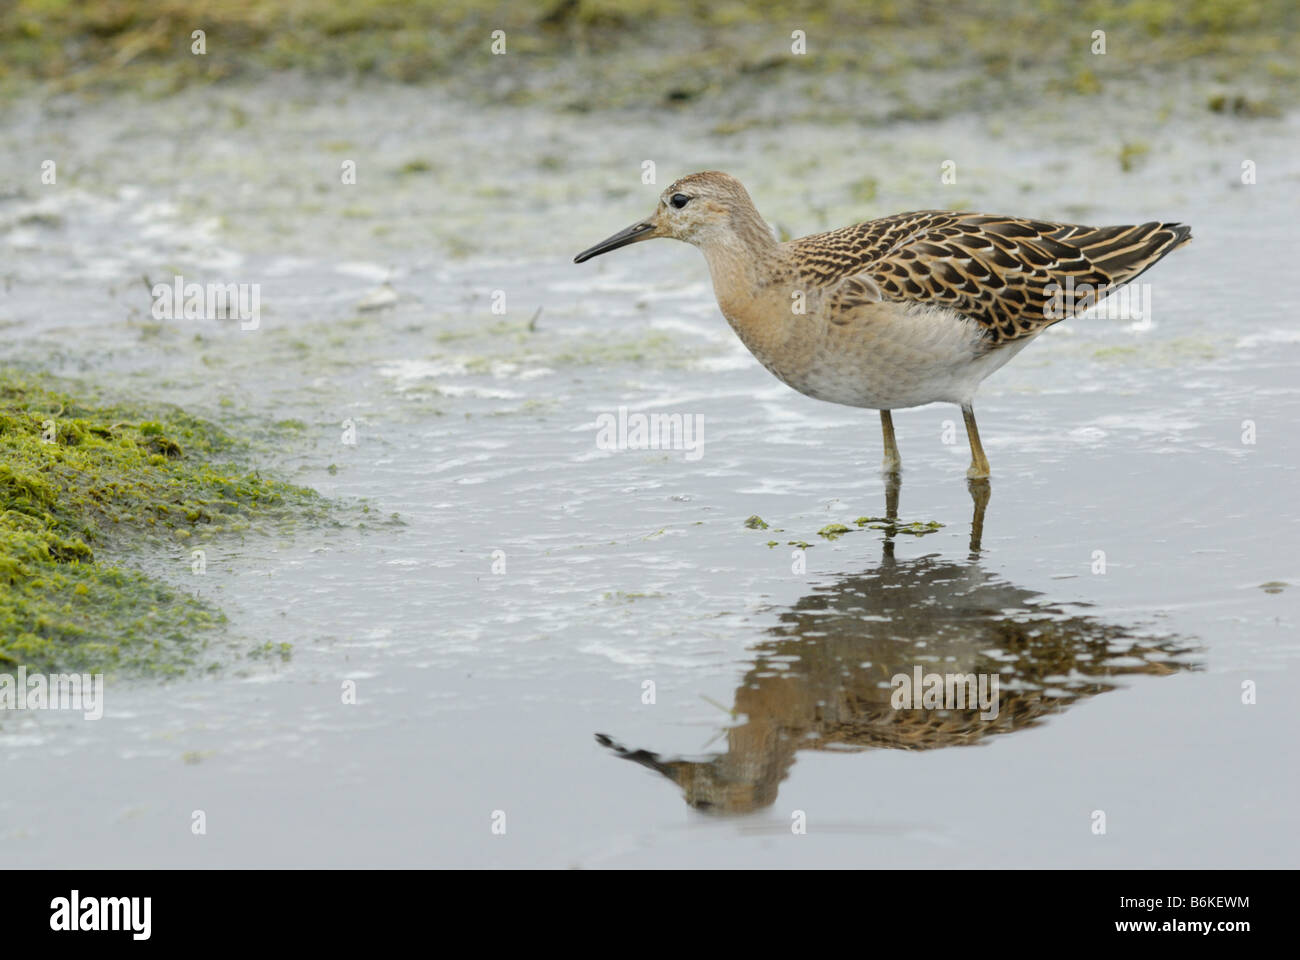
x=979, y=464
x=979, y=495
x=893, y=462
x=892, y=485
x=891, y=467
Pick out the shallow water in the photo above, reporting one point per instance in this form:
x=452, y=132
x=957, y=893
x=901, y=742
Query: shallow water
x=482, y=688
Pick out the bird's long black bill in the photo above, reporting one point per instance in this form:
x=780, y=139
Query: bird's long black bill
x=633, y=234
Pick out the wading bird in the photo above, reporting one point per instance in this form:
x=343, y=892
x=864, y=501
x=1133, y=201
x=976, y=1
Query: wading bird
x=906, y=310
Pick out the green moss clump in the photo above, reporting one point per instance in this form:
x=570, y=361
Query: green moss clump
x=77, y=478
x=756, y=523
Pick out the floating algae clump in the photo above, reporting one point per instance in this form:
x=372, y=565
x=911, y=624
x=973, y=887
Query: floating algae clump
x=77, y=478
x=833, y=531
x=918, y=528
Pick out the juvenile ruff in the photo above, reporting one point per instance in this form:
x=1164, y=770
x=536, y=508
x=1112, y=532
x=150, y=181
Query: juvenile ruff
x=910, y=309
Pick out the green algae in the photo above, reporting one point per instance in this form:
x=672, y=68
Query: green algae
x=523, y=343
x=833, y=531
x=267, y=650
x=624, y=596
x=1131, y=154
x=1124, y=351
x=1239, y=105
x=920, y=528
x=1175, y=352
x=917, y=528
x=81, y=480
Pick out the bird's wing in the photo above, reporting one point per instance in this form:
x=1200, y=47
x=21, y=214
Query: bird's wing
x=1006, y=273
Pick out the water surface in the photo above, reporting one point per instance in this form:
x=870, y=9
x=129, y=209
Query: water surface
x=534, y=585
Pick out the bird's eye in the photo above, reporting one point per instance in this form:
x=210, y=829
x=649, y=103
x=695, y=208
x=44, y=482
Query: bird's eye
x=680, y=200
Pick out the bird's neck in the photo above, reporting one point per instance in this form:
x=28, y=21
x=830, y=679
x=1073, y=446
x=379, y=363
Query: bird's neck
x=740, y=260
x=753, y=283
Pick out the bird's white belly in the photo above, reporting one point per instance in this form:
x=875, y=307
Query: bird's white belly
x=904, y=356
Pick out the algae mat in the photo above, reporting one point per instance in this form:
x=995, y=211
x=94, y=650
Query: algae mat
x=78, y=478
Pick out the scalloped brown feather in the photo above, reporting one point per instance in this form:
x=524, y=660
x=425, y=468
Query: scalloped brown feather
x=997, y=270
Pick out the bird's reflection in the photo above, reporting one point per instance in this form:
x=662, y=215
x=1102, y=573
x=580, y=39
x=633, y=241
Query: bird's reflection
x=821, y=679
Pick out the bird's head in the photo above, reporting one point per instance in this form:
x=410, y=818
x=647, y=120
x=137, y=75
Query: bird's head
x=702, y=208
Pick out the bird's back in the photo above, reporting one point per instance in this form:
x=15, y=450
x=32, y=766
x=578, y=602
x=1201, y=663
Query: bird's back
x=1005, y=273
